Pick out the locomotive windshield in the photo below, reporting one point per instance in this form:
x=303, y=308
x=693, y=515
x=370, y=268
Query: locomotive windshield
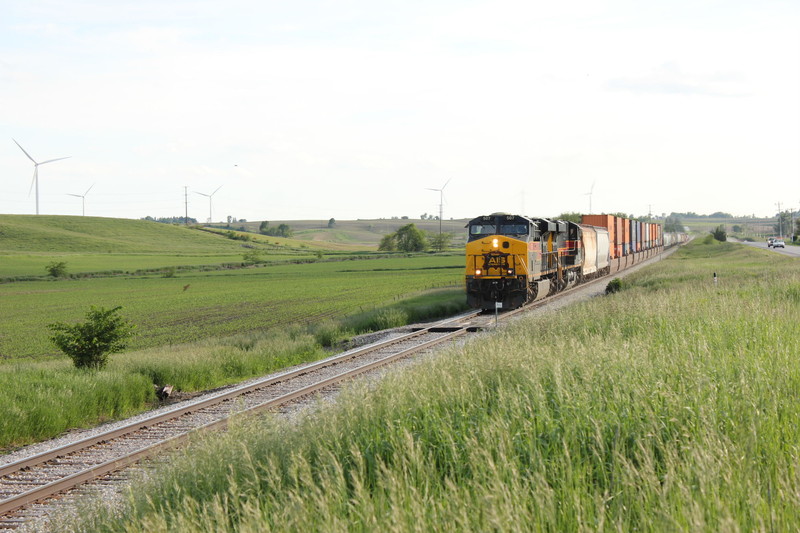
x=482, y=229
x=500, y=224
x=513, y=229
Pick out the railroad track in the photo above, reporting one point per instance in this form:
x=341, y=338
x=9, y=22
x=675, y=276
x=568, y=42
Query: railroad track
x=49, y=474
x=45, y=475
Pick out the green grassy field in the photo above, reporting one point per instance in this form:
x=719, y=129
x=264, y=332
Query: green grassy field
x=197, y=327
x=104, y=246
x=669, y=406
x=198, y=305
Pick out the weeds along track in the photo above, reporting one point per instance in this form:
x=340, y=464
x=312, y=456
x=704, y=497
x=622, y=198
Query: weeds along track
x=45, y=475
x=33, y=487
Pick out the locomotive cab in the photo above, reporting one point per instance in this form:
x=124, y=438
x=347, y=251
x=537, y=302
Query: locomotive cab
x=501, y=254
x=512, y=259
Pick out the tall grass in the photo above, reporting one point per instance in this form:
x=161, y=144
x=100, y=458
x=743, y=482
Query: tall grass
x=670, y=406
x=40, y=400
x=429, y=305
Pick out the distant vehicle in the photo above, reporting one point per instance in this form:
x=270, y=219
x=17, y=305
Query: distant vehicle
x=778, y=244
x=770, y=241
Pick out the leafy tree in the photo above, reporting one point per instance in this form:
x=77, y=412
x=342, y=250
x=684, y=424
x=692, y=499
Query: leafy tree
x=89, y=343
x=253, y=257
x=737, y=228
x=388, y=243
x=57, y=269
x=673, y=224
x=171, y=220
x=783, y=224
x=332, y=222
x=283, y=230
x=440, y=241
x=411, y=239
x=570, y=217
x=720, y=234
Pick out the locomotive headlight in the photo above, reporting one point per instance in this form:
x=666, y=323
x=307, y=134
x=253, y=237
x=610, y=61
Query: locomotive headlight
x=478, y=272
x=510, y=272
x=495, y=243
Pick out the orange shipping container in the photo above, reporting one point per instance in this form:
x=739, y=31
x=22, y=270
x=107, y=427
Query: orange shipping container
x=604, y=221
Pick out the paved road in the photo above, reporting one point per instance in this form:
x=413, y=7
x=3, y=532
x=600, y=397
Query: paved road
x=793, y=251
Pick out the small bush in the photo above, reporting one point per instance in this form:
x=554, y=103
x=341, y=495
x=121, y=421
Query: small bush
x=253, y=257
x=329, y=333
x=57, y=269
x=615, y=285
x=89, y=343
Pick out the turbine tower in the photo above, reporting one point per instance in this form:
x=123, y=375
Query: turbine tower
x=589, y=194
x=36, y=171
x=209, y=201
x=441, y=201
x=83, y=200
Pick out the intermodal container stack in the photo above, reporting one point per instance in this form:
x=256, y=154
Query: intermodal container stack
x=608, y=222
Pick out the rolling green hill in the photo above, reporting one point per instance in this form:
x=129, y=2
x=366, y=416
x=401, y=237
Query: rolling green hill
x=66, y=234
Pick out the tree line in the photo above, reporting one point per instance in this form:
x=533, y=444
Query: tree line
x=410, y=238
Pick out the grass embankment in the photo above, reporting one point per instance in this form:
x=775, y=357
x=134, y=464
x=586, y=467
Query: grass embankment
x=672, y=405
x=40, y=400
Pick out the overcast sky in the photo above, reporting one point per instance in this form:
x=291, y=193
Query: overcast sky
x=351, y=109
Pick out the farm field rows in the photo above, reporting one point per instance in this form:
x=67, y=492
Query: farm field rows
x=198, y=305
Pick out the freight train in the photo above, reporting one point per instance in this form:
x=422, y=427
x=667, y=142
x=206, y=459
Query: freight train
x=513, y=259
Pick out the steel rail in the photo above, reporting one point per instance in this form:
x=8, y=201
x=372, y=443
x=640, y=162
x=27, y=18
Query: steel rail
x=51, y=489
x=48, y=455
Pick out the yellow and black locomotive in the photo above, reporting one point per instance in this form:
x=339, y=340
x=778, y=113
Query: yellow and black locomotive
x=512, y=259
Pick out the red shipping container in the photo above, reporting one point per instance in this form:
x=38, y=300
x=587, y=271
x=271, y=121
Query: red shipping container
x=604, y=221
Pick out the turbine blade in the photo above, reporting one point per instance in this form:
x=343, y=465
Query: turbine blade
x=75, y=195
x=23, y=150
x=427, y=189
x=56, y=159
x=215, y=191
x=89, y=189
x=202, y=194
x=446, y=182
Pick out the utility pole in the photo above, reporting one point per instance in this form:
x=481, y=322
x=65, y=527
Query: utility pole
x=780, y=221
x=186, y=205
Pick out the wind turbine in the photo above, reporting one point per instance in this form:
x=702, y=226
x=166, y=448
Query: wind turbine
x=36, y=171
x=441, y=201
x=83, y=199
x=209, y=201
x=589, y=194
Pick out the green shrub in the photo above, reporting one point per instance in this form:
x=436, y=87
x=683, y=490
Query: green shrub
x=89, y=343
x=615, y=285
x=57, y=269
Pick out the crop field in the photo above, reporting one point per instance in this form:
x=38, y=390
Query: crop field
x=671, y=405
x=198, y=305
x=204, y=317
